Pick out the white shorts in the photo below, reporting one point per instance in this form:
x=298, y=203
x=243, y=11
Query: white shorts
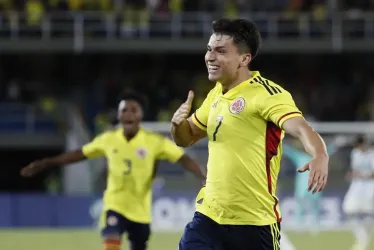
x=356, y=204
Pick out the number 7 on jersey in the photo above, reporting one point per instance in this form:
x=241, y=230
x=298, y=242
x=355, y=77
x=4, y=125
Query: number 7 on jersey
x=219, y=119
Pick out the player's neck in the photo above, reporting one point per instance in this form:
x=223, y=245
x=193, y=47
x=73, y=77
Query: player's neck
x=232, y=83
x=130, y=134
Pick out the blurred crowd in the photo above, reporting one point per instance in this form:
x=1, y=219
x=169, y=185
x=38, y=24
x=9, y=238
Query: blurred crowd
x=326, y=87
x=183, y=5
x=146, y=18
x=143, y=9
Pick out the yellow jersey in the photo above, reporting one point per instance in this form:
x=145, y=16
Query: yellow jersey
x=131, y=166
x=244, y=129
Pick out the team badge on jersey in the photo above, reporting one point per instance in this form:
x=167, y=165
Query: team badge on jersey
x=237, y=106
x=141, y=153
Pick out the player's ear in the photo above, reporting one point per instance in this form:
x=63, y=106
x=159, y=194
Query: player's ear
x=245, y=60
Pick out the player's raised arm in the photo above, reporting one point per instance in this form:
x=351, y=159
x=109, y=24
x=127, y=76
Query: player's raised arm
x=315, y=146
x=281, y=109
x=43, y=164
x=92, y=149
x=183, y=129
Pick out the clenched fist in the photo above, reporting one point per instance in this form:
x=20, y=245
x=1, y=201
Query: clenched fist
x=184, y=110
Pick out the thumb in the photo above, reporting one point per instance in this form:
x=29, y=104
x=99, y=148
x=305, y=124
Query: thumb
x=303, y=169
x=190, y=98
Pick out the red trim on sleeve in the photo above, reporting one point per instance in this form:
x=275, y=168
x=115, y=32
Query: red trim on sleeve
x=202, y=124
x=285, y=115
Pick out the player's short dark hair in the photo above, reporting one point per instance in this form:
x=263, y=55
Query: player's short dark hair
x=129, y=94
x=360, y=140
x=245, y=33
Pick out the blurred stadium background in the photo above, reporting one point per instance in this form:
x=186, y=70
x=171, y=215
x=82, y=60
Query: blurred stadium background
x=63, y=62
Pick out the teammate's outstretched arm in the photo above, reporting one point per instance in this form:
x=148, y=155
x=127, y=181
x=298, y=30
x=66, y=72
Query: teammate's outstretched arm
x=315, y=146
x=59, y=160
x=183, y=130
x=92, y=149
x=190, y=165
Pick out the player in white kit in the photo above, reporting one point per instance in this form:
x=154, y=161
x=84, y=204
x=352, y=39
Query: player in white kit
x=358, y=203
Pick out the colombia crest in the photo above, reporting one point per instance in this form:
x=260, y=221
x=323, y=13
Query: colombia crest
x=141, y=153
x=237, y=106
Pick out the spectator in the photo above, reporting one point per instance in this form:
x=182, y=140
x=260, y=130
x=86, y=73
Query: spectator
x=58, y=5
x=35, y=10
x=136, y=17
x=5, y=6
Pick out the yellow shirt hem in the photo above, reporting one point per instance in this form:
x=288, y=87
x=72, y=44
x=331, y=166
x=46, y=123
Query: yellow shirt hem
x=225, y=221
x=128, y=216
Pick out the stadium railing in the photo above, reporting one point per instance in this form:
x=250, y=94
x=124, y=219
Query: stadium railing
x=63, y=25
x=23, y=118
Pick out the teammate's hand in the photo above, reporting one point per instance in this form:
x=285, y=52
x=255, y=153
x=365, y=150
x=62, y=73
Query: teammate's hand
x=184, y=110
x=318, y=173
x=33, y=168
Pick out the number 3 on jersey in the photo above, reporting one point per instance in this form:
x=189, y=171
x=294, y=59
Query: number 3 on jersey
x=219, y=119
x=128, y=164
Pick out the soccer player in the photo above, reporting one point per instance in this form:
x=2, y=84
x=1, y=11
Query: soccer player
x=244, y=117
x=131, y=152
x=358, y=203
x=306, y=201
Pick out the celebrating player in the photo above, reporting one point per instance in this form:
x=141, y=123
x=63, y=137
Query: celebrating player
x=131, y=152
x=244, y=117
x=358, y=203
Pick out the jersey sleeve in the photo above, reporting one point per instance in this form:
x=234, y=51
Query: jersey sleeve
x=169, y=151
x=278, y=108
x=200, y=117
x=94, y=148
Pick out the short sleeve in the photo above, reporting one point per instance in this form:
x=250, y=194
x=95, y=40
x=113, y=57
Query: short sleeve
x=278, y=108
x=169, y=151
x=200, y=117
x=94, y=148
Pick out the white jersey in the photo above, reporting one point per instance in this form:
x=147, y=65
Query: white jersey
x=360, y=195
x=363, y=163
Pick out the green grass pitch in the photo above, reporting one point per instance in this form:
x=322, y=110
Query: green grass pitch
x=35, y=239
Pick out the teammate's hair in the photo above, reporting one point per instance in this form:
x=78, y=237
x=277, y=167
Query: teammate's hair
x=129, y=94
x=244, y=33
x=360, y=140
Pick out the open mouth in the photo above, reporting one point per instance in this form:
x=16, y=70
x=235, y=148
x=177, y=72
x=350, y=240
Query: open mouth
x=213, y=68
x=128, y=122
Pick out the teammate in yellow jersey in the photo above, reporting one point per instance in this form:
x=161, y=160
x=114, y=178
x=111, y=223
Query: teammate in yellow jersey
x=131, y=152
x=244, y=117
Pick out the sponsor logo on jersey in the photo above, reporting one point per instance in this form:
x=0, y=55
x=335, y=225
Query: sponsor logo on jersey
x=237, y=106
x=214, y=105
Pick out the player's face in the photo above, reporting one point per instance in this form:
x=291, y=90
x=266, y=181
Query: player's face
x=130, y=114
x=222, y=58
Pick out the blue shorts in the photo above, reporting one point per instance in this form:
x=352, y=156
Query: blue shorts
x=117, y=224
x=202, y=233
